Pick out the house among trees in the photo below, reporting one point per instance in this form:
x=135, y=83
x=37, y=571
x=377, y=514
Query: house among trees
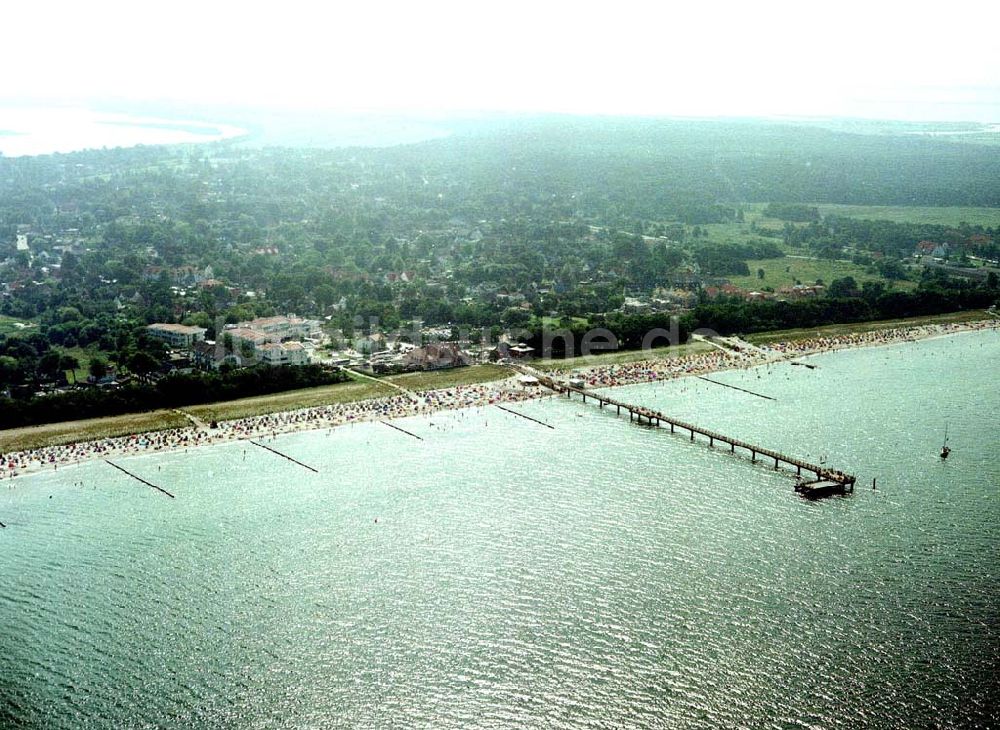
x=290, y=327
x=176, y=335
x=506, y=351
x=244, y=339
x=435, y=356
x=209, y=355
x=728, y=290
x=277, y=354
x=250, y=337
x=404, y=277
x=802, y=291
x=932, y=249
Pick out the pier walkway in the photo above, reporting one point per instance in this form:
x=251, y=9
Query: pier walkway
x=840, y=481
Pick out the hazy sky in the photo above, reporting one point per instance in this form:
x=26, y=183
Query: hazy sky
x=685, y=57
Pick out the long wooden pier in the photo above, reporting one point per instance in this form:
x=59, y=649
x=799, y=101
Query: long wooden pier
x=844, y=482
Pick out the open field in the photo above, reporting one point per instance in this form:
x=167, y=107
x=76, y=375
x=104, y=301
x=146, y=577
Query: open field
x=940, y=215
x=437, y=379
x=762, y=338
x=15, y=326
x=54, y=434
x=83, y=356
x=946, y=216
x=738, y=232
x=950, y=215
x=787, y=270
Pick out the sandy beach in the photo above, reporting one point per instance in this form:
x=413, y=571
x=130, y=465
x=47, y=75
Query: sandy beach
x=730, y=354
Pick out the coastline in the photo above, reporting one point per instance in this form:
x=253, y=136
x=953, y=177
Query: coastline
x=32, y=131
x=745, y=355
x=729, y=354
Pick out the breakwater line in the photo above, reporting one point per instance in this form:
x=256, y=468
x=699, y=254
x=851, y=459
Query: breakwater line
x=734, y=387
x=139, y=479
x=284, y=456
x=403, y=430
x=541, y=423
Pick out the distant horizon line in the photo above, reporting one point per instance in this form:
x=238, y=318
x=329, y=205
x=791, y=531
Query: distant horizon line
x=112, y=104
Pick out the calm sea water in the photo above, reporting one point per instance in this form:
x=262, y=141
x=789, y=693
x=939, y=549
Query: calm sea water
x=502, y=574
x=45, y=130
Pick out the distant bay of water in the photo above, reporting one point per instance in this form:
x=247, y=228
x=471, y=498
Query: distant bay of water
x=502, y=574
x=42, y=131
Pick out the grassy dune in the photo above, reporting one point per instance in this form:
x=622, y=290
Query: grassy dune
x=451, y=378
x=290, y=400
x=621, y=357
x=350, y=392
x=833, y=330
x=54, y=434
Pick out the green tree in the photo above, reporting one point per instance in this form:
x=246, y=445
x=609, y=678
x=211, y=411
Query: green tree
x=143, y=363
x=98, y=368
x=9, y=370
x=70, y=364
x=515, y=317
x=49, y=364
x=891, y=269
x=845, y=287
x=872, y=290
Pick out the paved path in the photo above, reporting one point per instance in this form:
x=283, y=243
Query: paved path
x=195, y=421
x=389, y=383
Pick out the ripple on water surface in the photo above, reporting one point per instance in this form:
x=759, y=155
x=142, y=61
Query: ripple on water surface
x=499, y=573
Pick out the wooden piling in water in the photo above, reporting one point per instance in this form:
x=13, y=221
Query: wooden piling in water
x=284, y=456
x=402, y=429
x=543, y=423
x=734, y=387
x=139, y=479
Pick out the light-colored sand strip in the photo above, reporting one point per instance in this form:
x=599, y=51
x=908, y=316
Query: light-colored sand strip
x=509, y=390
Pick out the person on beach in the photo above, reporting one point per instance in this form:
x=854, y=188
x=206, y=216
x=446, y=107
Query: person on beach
x=462, y=396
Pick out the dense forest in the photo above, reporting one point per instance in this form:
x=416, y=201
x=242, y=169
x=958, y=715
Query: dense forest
x=508, y=223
